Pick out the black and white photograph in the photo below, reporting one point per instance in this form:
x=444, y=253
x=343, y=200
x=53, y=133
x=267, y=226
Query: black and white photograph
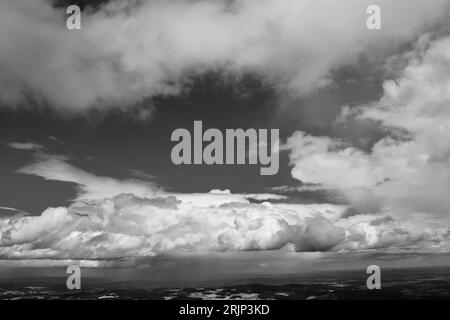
x=238, y=150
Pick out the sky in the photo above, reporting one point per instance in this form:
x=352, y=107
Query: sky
x=86, y=118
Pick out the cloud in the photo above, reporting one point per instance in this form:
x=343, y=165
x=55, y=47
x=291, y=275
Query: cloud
x=322, y=160
x=90, y=186
x=407, y=172
x=107, y=226
x=30, y=146
x=127, y=227
x=319, y=234
x=7, y=211
x=129, y=50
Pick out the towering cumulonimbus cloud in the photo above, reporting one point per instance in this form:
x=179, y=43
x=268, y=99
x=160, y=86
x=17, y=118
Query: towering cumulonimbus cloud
x=408, y=171
x=128, y=50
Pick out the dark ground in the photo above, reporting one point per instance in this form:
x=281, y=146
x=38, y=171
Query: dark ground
x=413, y=283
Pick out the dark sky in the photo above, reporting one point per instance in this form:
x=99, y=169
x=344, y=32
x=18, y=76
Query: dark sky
x=120, y=144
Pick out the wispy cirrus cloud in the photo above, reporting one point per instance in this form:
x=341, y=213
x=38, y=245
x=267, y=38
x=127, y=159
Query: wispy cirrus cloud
x=90, y=186
x=29, y=146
